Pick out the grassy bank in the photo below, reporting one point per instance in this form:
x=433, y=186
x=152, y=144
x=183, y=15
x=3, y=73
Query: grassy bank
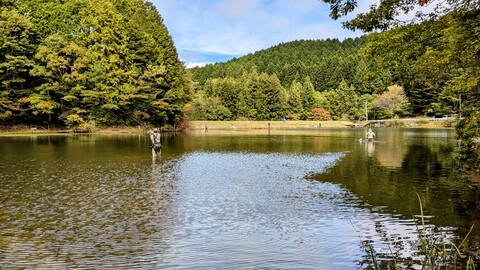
x=226, y=125
x=290, y=124
x=21, y=130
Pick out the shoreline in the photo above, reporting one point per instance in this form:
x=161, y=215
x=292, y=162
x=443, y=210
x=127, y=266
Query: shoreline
x=309, y=124
x=22, y=130
x=25, y=131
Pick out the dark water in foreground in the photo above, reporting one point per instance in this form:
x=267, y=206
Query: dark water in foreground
x=232, y=200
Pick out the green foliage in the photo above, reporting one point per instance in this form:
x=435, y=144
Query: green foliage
x=326, y=62
x=384, y=14
x=73, y=120
x=434, y=62
x=227, y=90
x=294, y=98
x=437, y=62
x=392, y=102
x=304, y=68
x=343, y=102
x=112, y=61
x=468, y=132
x=269, y=96
x=308, y=94
x=211, y=108
x=17, y=45
x=252, y=96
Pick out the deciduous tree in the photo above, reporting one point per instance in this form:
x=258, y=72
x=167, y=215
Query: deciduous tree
x=392, y=102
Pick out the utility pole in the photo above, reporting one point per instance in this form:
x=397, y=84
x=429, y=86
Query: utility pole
x=460, y=107
x=366, y=112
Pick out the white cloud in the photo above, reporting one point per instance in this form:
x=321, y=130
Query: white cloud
x=197, y=64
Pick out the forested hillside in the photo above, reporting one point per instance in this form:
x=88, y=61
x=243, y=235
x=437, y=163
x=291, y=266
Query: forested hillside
x=416, y=70
x=287, y=80
x=83, y=63
x=325, y=61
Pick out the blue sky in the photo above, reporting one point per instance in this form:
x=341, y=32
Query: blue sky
x=208, y=31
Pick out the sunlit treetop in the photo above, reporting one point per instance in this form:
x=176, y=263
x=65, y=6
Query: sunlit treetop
x=384, y=14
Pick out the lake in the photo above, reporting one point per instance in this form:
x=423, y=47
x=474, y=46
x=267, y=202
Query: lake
x=294, y=199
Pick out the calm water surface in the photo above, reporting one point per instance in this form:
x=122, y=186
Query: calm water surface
x=226, y=200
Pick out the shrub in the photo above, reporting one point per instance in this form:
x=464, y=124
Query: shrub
x=319, y=114
x=74, y=120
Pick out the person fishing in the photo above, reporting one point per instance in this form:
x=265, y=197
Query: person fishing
x=155, y=138
x=370, y=135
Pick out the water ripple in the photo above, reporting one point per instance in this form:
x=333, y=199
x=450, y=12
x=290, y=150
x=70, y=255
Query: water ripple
x=202, y=210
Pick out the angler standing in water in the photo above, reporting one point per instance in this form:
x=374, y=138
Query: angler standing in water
x=155, y=138
x=370, y=135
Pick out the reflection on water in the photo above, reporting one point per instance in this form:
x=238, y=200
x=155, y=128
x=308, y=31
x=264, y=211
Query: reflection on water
x=83, y=215
x=282, y=201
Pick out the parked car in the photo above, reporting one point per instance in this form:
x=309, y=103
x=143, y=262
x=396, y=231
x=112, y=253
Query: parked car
x=441, y=117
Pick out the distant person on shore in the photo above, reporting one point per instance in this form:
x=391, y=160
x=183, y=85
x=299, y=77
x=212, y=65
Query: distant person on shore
x=155, y=138
x=370, y=135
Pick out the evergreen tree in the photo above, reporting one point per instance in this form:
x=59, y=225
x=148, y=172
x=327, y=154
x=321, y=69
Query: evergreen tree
x=245, y=102
x=307, y=95
x=227, y=90
x=269, y=97
x=295, y=106
x=343, y=102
